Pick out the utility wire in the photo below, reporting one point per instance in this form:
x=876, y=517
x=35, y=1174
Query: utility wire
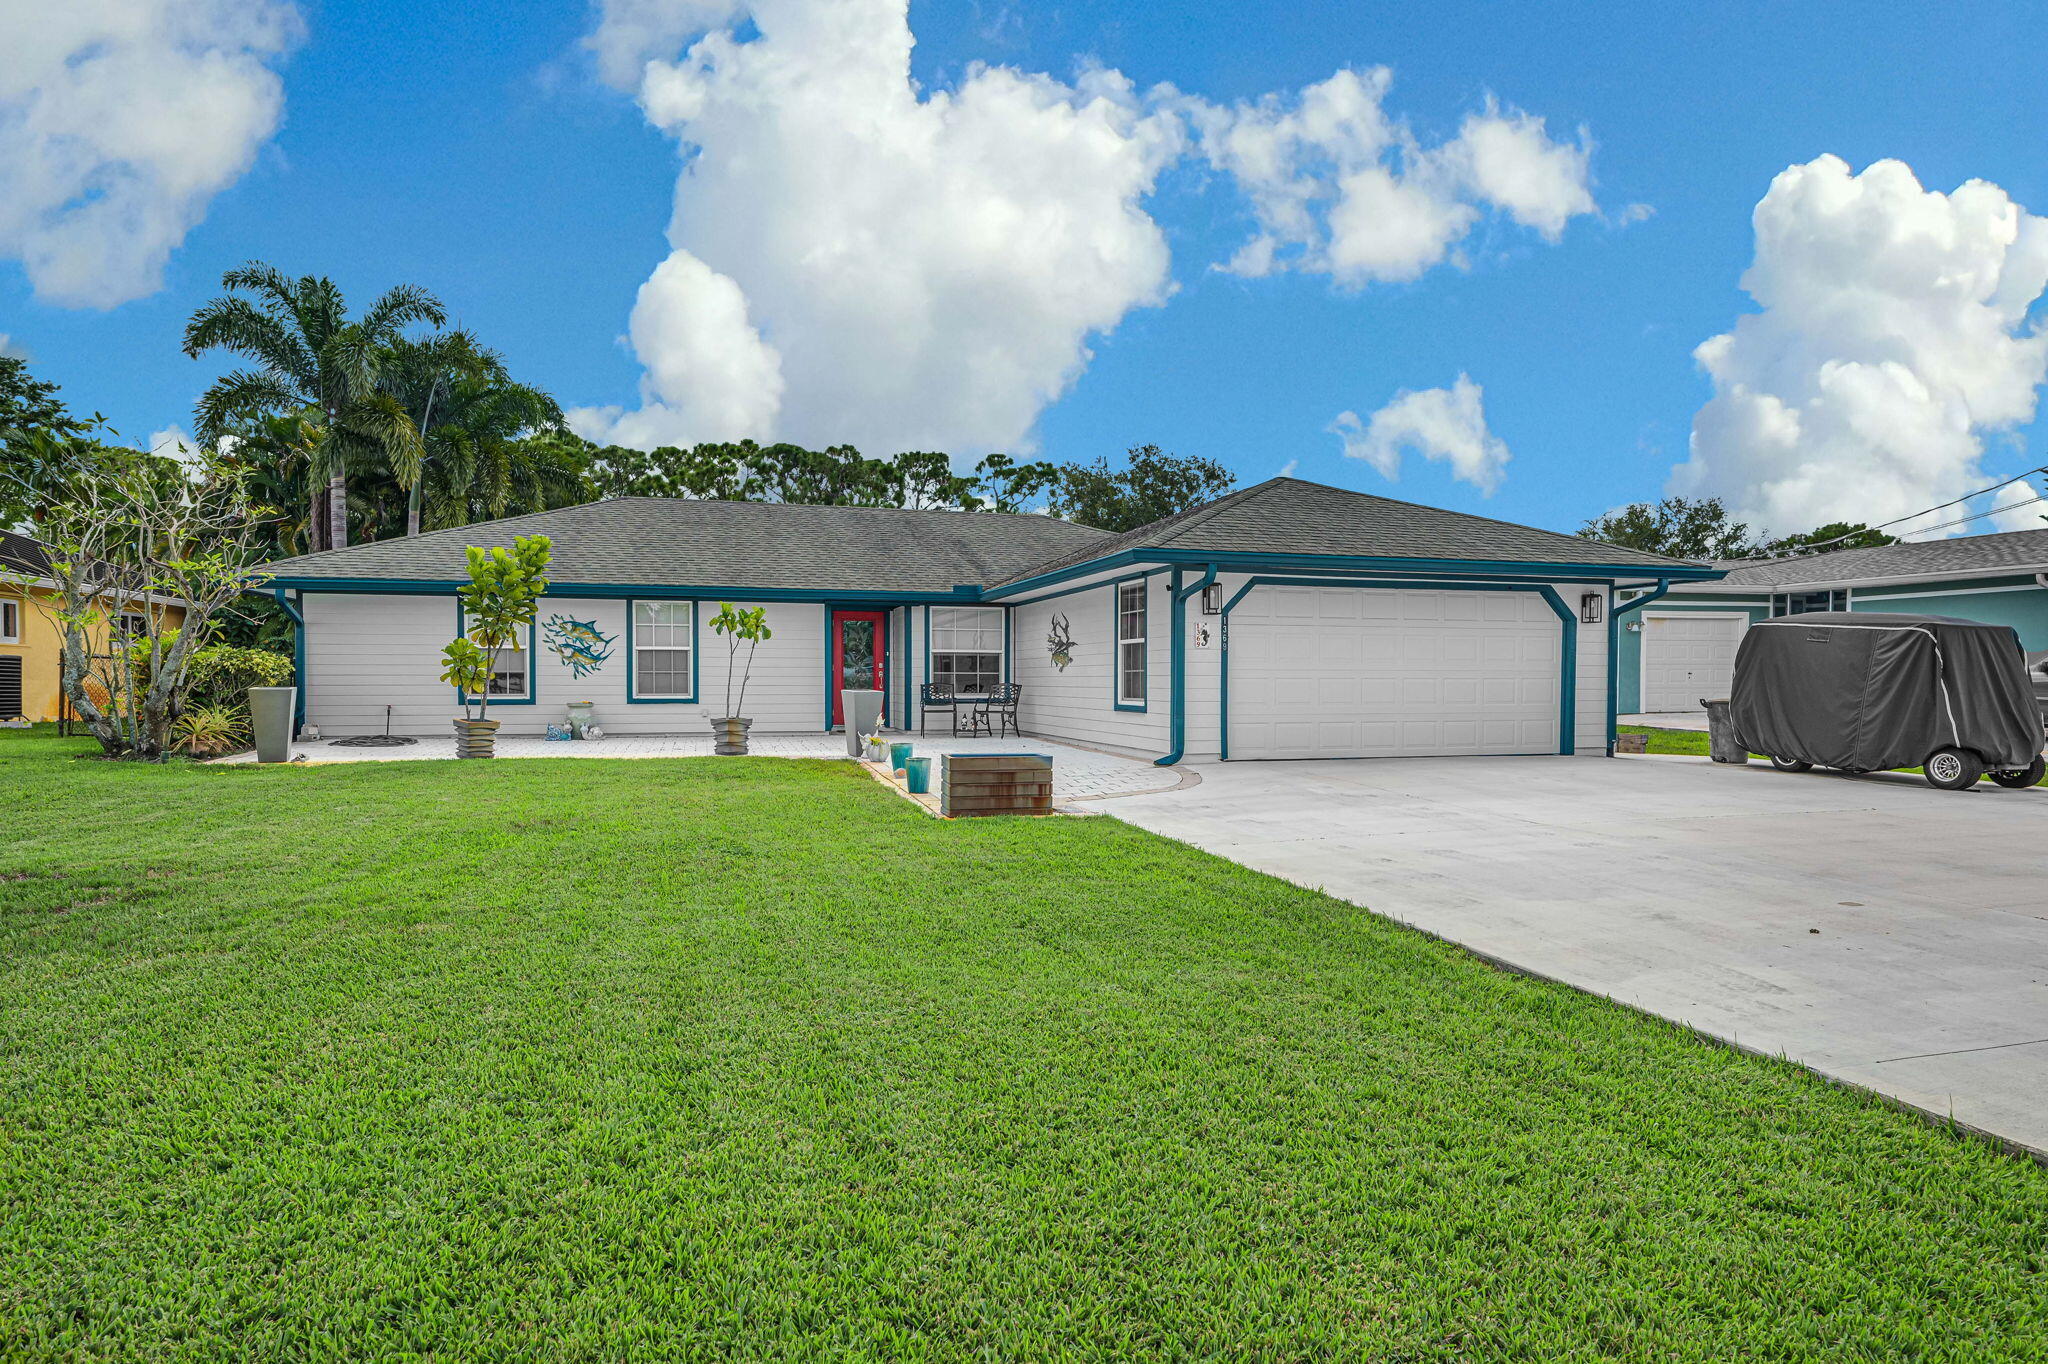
x=2042, y=469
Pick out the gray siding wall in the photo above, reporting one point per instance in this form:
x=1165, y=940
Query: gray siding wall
x=366, y=651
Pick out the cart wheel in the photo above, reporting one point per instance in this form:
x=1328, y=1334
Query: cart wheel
x=2019, y=778
x=1791, y=765
x=1953, y=769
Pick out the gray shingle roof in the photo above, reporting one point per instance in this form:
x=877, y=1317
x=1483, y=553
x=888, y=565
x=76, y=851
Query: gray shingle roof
x=1294, y=516
x=19, y=554
x=663, y=542
x=2019, y=551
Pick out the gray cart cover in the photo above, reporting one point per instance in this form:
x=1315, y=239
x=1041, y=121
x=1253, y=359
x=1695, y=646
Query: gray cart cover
x=1861, y=691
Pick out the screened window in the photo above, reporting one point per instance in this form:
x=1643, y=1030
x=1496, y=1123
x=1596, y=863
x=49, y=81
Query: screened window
x=10, y=621
x=661, y=650
x=131, y=625
x=967, y=648
x=1130, y=644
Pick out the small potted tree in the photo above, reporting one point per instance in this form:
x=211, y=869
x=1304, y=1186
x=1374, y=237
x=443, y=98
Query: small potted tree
x=504, y=592
x=739, y=627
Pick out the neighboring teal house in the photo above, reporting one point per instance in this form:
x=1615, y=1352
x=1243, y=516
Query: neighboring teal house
x=1681, y=647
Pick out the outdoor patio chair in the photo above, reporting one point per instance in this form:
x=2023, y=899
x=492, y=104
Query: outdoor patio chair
x=930, y=697
x=996, y=713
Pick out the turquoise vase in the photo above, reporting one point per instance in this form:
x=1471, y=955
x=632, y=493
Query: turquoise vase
x=899, y=754
x=917, y=775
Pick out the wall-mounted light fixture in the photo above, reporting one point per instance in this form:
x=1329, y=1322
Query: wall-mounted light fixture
x=1634, y=627
x=1212, y=599
x=1589, y=607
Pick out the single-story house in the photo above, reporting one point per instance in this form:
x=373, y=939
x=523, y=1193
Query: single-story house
x=1680, y=646
x=32, y=636
x=1284, y=620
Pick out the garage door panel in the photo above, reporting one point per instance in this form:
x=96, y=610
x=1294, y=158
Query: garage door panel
x=1686, y=657
x=1351, y=672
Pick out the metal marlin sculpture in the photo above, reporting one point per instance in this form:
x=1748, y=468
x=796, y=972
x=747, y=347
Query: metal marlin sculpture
x=1060, y=643
x=578, y=643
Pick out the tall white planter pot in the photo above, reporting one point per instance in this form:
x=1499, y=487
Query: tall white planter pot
x=270, y=715
x=863, y=711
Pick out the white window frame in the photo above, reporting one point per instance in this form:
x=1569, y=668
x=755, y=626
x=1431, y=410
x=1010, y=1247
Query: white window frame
x=688, y=625
x=529, y=647
x=122, y=629
x=980, y=622
x=1140, y=588
x=10, y=620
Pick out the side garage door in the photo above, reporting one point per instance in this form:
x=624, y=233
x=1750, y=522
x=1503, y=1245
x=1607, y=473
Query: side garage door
x=1686, y=657
x=1345, y=672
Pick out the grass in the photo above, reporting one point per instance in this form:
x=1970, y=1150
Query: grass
x=1694, y=742
x=596, y=1060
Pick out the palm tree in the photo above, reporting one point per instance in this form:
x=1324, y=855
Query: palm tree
x=310, y=355
x=473, y=418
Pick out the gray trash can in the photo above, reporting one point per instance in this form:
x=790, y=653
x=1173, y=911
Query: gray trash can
x=1722, y=745
x=863, y=711
x=270, y=715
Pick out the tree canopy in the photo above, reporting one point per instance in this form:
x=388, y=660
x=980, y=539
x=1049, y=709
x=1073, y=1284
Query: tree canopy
x=1703, y=528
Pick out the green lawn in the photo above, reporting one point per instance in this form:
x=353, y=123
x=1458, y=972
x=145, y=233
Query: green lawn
x=1695, y=742
x=580, y=1059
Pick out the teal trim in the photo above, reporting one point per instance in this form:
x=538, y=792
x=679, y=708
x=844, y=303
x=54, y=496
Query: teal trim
x=927, y=645
x=909, y=671
x=696, y=673
x=1568, y=652
x=1178, y=685
x=1614, y=610
x=1284, y=563
x=1086, y=587
x=830, y=682
x=674, y=591
x=532, y=696
x=969, y=593
x=1007, y=650
x=298, y=658
x=1116, y=645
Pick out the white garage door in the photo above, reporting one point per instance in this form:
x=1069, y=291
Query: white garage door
x=1686, y=657
x=1345, y=672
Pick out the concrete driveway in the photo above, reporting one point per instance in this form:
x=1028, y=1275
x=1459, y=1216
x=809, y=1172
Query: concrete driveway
x=1872, y=928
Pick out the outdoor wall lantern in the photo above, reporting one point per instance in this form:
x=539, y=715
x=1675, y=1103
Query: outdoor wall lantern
x=1589, y=608
x=1212, y=599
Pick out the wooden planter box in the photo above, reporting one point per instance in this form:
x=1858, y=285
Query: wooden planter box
x=996, y=784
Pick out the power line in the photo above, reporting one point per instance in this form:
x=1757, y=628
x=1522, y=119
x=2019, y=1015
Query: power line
x=1818, y=546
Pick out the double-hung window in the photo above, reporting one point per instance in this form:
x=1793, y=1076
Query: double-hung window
x=512, y=669
x=663, y=636
x=967, y=649
x=10, y=620
x=1130, y=643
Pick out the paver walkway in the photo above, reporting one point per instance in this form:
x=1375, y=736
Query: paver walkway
x=1077, y=773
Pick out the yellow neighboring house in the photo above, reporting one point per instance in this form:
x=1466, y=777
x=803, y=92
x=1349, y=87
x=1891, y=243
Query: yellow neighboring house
x=32, y=640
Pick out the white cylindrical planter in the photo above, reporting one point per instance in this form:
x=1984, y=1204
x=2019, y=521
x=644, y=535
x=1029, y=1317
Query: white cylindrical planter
x=863, y=711
x=270, y=715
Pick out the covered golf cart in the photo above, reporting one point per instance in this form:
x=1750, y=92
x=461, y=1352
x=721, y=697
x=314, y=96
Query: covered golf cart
x=1860, y=691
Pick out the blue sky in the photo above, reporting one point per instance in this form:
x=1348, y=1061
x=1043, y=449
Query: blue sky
x=474, y=151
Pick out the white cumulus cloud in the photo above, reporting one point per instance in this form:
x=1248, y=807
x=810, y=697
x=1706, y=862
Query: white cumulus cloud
x=1893, y=336
x=857, y=259
x=120, y=120
x=1338, y=186
x=1445, y=424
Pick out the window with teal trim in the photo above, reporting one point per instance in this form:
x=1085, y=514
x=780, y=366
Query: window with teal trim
x=1130, y=643
x=967, y=649
x=661, y=650
x=512, y=669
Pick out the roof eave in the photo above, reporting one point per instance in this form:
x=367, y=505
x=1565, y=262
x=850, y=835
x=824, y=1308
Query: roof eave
x=1361, y=563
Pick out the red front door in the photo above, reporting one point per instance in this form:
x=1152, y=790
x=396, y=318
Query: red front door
x=860, y=644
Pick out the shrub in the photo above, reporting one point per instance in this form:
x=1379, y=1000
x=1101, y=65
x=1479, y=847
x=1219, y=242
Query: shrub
x=210, y=729
x=221, y=675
